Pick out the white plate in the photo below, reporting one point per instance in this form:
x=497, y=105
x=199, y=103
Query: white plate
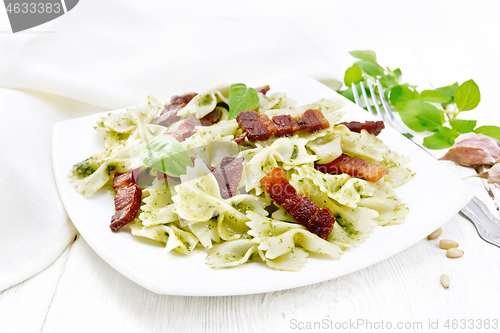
x=434, y=196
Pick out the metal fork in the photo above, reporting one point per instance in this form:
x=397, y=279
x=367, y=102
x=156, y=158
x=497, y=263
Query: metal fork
x=487, y=226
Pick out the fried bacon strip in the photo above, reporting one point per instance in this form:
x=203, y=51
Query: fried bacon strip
x=355, y=167
x=263, y=89
x=257, y=127
x=304, y=211
x=187, y=128
x=372, y=127
x=127, y=199
x=228, y=176
x=169, y=115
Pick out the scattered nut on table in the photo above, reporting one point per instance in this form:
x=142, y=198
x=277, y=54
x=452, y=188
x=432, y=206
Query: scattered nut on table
x=435, y=234
x=454, y=253
x=445, y=281
x=446, y=244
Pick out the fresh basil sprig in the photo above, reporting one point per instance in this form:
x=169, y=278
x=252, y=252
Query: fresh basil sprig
x=166, y=154
x=241, y=98
x=429, y=110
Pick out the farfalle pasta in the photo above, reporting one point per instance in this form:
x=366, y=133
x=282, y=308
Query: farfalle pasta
x=189, y=212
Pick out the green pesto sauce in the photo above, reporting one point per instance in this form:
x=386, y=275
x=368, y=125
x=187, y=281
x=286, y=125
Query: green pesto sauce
x=205, y=100
x=84, y=168
x=346, y=225
x=110, y=168
x=295, y=152
x=241, y=207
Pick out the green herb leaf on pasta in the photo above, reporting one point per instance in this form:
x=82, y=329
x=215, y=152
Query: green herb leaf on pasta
x=241, y=98
x=166, y=154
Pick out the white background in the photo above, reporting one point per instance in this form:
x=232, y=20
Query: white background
x=435, y=43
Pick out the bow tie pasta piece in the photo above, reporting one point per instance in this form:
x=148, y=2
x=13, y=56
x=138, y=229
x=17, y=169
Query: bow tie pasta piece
x=96, y=171
x=198, y=196
x=231, y=253
x=290, y=261
x=206, y=232
x=391, y=208
x=126, y=122
x=157, y=205
x=277, y=100
x=222, y=128
x=198, y=200
x=326, y=148
x=275, y=238
x=176, y=239
x=259, y=161
x=399, y=173
x=230, y=227
x=205, y=102
x=364, y=145
x=211, y=147
x=342, y=188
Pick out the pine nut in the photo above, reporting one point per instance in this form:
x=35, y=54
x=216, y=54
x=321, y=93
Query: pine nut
x=445, y=281
x=446, y=244
x=454, y=253
x=435, y=234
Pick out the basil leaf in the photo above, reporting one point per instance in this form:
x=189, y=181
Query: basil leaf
x=348, y=94
x=492, y=131
x=388, y=81
x=241, y=98
x=397, y=72
x=443, y=138
x=400, y=94
x=166, y=154
x=370, y=68
x=420, y=116
x=463, y=126
x=366, y=55
x=448, y=90
x=434, y=96
x=353, y=75
x=407, y=135
x=467, y=96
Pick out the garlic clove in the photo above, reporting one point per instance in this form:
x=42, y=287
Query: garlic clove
x=474, y=149
x=492, y=175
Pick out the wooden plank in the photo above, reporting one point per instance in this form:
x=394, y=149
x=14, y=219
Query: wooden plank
x=24, y=306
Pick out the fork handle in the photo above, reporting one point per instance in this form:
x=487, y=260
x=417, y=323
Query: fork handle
x=487, y=226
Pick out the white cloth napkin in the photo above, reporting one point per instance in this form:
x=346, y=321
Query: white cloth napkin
x=113, y=54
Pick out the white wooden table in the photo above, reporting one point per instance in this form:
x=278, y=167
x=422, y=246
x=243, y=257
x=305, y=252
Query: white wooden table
x=435, y=43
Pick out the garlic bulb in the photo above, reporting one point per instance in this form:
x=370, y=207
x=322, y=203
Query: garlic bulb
x=474, y=149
